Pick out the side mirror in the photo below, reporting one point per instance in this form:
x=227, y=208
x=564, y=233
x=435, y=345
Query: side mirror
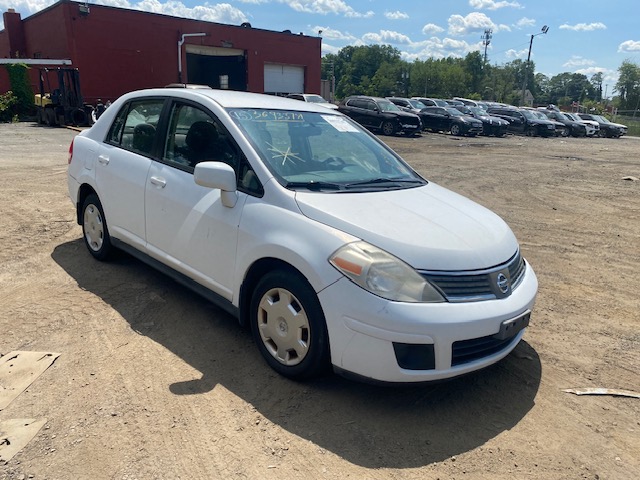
x=218, y=175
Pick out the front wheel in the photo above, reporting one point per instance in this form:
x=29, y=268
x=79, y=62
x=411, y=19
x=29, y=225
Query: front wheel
x=388, y=128
x=455, y=129
x=94, y=228
x=288, y=325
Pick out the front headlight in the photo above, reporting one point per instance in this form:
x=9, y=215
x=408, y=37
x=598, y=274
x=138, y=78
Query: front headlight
x=382, y=274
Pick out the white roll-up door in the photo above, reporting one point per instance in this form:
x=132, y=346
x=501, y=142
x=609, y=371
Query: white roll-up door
x=283, y=78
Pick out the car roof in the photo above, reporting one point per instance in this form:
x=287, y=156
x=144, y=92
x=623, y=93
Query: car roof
x=234, y=99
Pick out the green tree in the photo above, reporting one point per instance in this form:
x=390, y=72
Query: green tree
x=596, y=82
x=473, y=66
x=356, y=66
x=628, y=85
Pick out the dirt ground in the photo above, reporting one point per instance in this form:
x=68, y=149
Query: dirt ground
x=153, y=382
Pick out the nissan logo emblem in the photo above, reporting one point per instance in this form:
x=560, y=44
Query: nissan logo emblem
x=503, y=283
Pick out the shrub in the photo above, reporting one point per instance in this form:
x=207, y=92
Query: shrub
x=21, y=88
x=7, y=101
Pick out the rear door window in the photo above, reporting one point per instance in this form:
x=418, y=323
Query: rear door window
x=135, y=126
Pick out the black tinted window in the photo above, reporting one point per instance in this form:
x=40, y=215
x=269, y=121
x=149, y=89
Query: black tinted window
x=135, y=125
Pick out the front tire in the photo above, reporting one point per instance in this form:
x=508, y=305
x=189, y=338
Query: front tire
x=288, y=325
x=455, y=129
x=94, y=228
x=388, y=128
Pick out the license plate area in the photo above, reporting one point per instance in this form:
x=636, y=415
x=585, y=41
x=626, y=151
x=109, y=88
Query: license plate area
x=509, y=328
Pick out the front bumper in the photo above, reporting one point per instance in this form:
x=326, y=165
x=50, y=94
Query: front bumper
x=367, y=334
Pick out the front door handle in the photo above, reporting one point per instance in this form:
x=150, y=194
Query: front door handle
x=159, y=182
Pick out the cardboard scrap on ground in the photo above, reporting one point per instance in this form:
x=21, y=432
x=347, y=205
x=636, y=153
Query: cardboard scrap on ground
x=15, y=434
x=602, y=391
x=18, y=370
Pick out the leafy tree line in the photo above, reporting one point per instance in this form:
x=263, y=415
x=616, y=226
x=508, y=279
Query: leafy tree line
x=378, y=70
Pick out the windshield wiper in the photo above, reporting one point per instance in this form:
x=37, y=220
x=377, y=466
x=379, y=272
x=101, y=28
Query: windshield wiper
x=385, y=182
x=315, y=186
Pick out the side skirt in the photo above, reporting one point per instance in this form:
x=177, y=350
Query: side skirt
x=182, y=279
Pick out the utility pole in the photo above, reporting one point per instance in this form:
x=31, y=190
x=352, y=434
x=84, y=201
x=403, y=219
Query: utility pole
x=486, y=40
x=545, y=29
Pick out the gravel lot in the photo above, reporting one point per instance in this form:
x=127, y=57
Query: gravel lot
x=153, y=382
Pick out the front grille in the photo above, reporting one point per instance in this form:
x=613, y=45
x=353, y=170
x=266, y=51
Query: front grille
x=466, y=351
x=471, y=286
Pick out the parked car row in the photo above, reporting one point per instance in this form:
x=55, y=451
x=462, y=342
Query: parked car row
x=461, y=116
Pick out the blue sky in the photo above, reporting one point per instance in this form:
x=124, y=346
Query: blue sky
x=585, y=36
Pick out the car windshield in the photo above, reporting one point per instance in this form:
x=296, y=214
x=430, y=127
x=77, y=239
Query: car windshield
x=478, y=111
x=530, y=115
x=322, y=152
x=417, y=104
x=453, y=111
x=388, y=106
x=538, y=114
x=600, y=118
x=573, y=116
x=315, y=99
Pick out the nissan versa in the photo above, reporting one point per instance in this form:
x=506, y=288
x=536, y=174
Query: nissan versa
x=307, y=228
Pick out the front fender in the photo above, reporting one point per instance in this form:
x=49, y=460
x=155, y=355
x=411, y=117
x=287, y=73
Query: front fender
x=303, y=243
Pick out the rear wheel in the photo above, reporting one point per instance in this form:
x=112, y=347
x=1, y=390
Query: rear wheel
x=388, y=128
x=94, y=228
x=288, y=325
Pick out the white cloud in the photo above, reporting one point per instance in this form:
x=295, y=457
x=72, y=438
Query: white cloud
x=431, y=28
x=222, y=12
x=442, y=48
x=629, y=46
x=325, y=7
x=474, y=22
x=609, y=76
x=396, y=15
x=578, y=61
x=513, y=54
x=525, y=22
x=492, y=4
x=329, y=33
x=584, y=27
x=387, y=36
x=326, y=48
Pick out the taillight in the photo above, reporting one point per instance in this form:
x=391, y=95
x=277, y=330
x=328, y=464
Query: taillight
x=70, y=152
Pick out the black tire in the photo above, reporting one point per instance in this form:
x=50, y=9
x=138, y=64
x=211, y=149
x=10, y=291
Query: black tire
x=94, y=228
x=50, y=117
x=455, y=129
x=288, y=325
x=388, y=128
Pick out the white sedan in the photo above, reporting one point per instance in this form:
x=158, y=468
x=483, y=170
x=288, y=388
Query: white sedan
x=305, y=226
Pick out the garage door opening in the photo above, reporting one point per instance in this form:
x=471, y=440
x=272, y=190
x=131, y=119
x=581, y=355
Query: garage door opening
x=224, y=68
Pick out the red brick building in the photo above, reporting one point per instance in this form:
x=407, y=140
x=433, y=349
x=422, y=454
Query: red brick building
x=118, y=50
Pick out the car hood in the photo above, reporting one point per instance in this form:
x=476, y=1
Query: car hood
x=493, y=120
x=403, y=114
x=428, y=227
x=471, y=120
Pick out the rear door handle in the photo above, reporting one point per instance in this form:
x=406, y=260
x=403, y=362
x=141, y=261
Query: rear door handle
x=158, y=182
x=103, y=159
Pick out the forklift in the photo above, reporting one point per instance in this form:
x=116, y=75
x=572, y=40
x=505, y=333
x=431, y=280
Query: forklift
x=62, y=105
